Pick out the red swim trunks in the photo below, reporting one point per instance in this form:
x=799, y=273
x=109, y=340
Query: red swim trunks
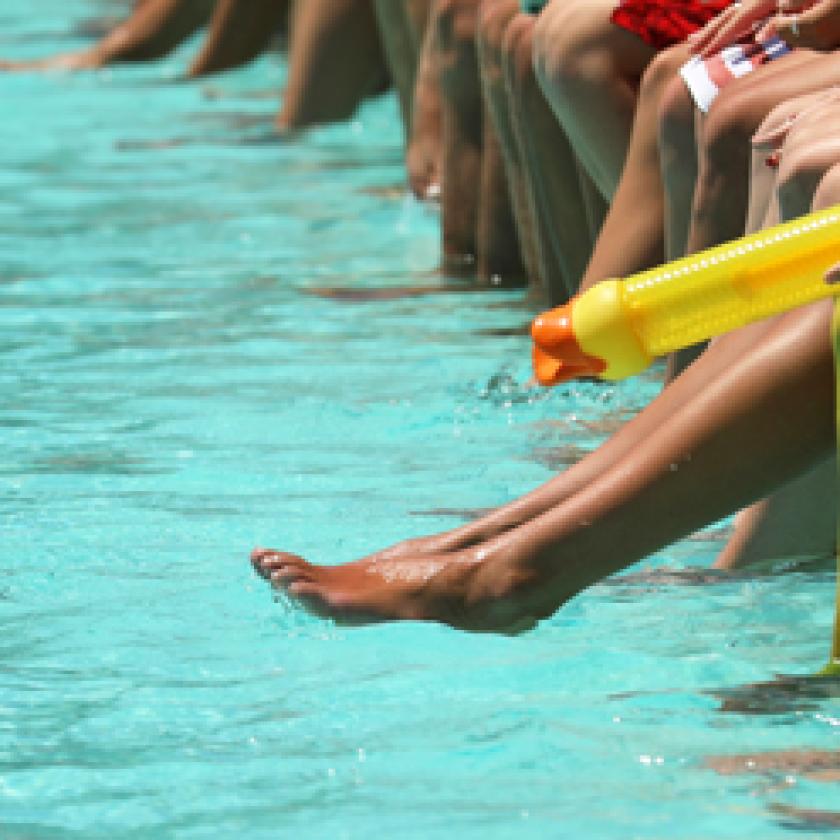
x=662, y=23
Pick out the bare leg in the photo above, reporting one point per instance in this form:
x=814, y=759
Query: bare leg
x=763, y=531
x=401, y=51
x=805, y=163
x=653, y=496
x=589, y=69
x=596, y=205
x=497, y=240
x=721, y=191
x=495, y=16
x=551, y=167
x=762, y=189
x=424, y=152
x=239, y=31
x=461, y=109
x=153, y=30
x=796, y=521
x=417, y=13
x=632, y=237
x=721, y=194
x=335, y=61
x=678, y=164
x=624, y=442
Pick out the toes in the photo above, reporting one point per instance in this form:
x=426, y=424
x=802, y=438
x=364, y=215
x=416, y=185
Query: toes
x=267, y=560
x=262, y=559
x=305, y=589
x=285, y=576
x=258, y=553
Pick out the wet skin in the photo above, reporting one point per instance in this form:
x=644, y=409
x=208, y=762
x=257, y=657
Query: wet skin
x=519, y=564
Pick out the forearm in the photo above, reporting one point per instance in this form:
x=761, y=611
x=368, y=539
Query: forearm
x=239, y=31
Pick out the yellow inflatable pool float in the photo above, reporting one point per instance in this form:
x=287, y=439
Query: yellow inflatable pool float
x=618, y=327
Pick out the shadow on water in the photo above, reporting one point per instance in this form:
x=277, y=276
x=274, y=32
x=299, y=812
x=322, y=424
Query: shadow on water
x=805, y=819
x=350, y=294
x=783, y=695
x=95, y=27
x=163, y=143
x=506, y=332
x=558, y=458
x=466, y=514
x=388, y=192
x=213, y=94
x=654, y=579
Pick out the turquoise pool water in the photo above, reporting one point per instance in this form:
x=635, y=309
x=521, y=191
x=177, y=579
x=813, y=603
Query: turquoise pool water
x=172, y=394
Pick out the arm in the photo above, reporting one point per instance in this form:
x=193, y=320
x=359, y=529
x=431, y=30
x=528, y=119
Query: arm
x=815, y=27
x=734, y=23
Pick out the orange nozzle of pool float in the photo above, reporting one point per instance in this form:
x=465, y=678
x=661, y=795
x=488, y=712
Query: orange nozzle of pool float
x=616, y=328
x=556, y=355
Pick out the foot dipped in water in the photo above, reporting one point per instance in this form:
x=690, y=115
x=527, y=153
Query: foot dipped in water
x=478, y=589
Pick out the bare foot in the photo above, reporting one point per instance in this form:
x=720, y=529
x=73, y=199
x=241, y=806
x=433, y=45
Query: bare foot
x=423, y=162
x=466, y=589
x=63, y=63
x=783, y=695
x=449, y=542
x=424, y=152
x=786, y=526
x=808, y=819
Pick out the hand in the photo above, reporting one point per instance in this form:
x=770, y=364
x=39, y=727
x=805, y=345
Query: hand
x=732, y=24
x=815, y=27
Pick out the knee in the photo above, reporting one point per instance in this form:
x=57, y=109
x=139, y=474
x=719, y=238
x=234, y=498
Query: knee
x=663, y=67
x=493, y=18
x=773, y=125
x=456, y=22
x=545, y=31
x=676, y=117
x=566, y=46
x=662, y=71
x=828, y=190
x=801, y=172
x=517, y=51
x=727, y=132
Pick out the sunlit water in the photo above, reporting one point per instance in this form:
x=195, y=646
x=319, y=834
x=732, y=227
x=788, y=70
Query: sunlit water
x=172, y=394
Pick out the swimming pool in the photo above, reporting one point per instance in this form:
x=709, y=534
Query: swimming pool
x=173, y=393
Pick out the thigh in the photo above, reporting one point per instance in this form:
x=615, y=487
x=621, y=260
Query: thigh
x=756, y=94
x=583, y=30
